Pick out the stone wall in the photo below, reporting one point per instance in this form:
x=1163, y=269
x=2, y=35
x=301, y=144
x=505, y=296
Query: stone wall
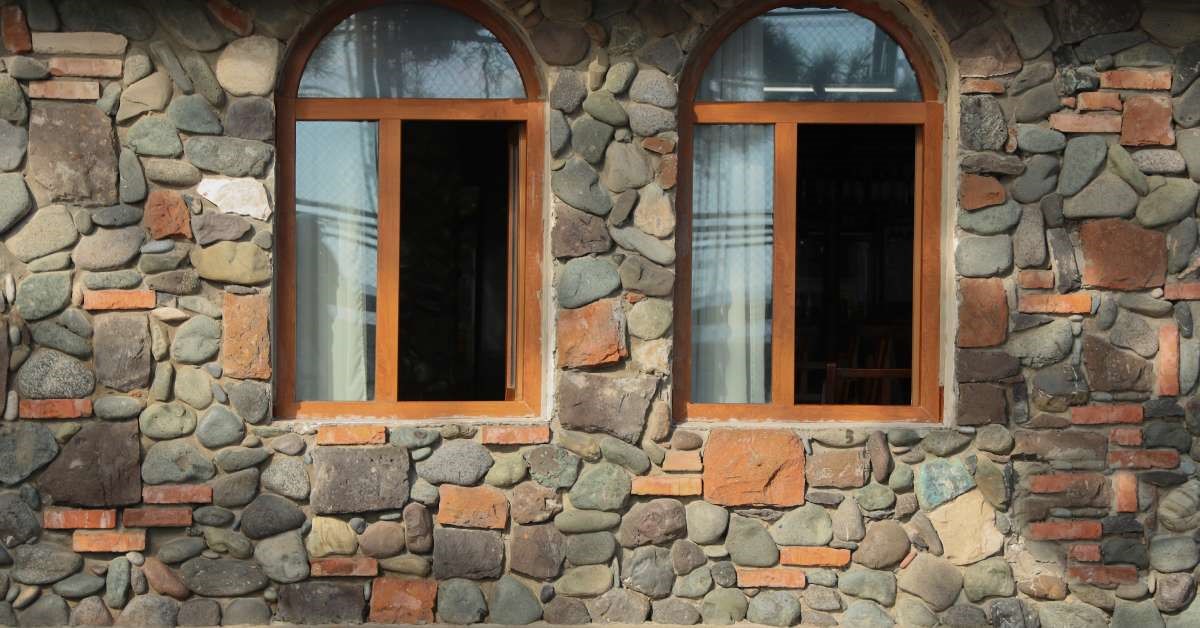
x=146, y=482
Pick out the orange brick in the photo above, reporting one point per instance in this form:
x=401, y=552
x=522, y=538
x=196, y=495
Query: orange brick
x=814, y=556
x=976, y=192
x=593, y=335
x=177, y=494
x=908, y=558
x=1064, y=482
x=118, y=300
x=982, y=312
x=1072, y=303
x=1065, y=530
x=1182, y=291
x=1100, y=101
x=14, y=30
x=1107, y=576
x=1102, y=415
x=1166, y=368
x=156, y=517
x=347, y=566
x=351, y=435
x=771, y=577
x=231, y=17
x=981, y=86
x=1126, y=436
x=1134, y=78
x=472, y=507
x=1036, y=279
x=402, y=601
x=108, y=541
x=166, y=214
x=1144, y=459
x=85, y=66
x=63, y=89
x=54, y=408
x=246, y=336
x=660, y=145
x=1067, y=101
x=73, y=518
x=683, y=461
x=1085, y=552
x=1086, y=122
x=1126, y=485
x=1147, y=122
x=674, y=486
x=514, y=434
x=668, y=171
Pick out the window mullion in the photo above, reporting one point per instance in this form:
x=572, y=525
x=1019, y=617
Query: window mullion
x=387, y=305
x=783, y=290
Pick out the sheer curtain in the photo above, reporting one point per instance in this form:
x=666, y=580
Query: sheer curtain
x=337, y=196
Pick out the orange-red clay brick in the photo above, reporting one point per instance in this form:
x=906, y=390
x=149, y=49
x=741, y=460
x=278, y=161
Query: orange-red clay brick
x=54, y=408
x=977, y=191
x=1063, y=482
x=1126, y=486
x=351, y=435
x=1036, y=279
x=1084, y=552
x=402, y=601
x=14, y=30
x=771, y=577
x=1086, y=122
x=814, y=556
x=1189, y=291
x=1135, y=78
x=472, y=507
x=673, y=486
x=1166, y=368
x=1126, y=436
x=177, y=494
x=1144, y=459
x=1107, y=576
x=79, y=518
x=156, y=517
x=85, y=66
x=95, y=300
x=1099, y=101
x=682, y=461
x=1103, y=415
x=1073, y=303
x=514, y=434
x=344, y=566
x=1080, y=529
x=981, y=86
x=108, y=541
x=64, y=89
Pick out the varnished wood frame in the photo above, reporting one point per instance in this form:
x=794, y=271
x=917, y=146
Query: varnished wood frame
x=522, y=400
x=926, y=116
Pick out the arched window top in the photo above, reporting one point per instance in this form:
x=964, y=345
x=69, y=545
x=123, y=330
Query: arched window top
x=800, y=54
x=411, y=49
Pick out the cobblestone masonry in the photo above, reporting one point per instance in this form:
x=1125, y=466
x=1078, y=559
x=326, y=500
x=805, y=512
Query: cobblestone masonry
x=144, y=481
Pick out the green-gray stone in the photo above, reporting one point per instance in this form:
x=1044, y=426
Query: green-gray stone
x=807, y=525
x=513, y=604
x=586, y=581
x=940, y=480
x=1170, y=203
x=460, y=601
x=113, y=279
x=193, y=387
x=53, y=335
x=193, y=114
x=116, y=407
x=175, y=461
x=1108, y=196
x=15, y=200
x=167, y=420
x=749, y=543
x=232, y=262
x=586, y=279
x=196, y=341
x=1121, y=162
x=154, y=136
x=723, y=607
x=991, y=577
x=991, y=220
x=695, y=584
x=580, y=521
x=507, y=470
x=618, y=451
x=875, y=496
x=230, y=156
x=604, y=486
x=590, y=548
x=869, y=584
x=50, y=229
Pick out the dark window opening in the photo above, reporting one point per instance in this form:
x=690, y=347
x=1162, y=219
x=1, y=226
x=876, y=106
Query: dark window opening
x=854, y=264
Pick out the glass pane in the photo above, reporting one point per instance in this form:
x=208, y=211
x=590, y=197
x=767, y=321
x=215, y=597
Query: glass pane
x=337, y=192
x=410, y=50
x=453, y=260
x=733, y=218
x=805, y=54
x=854, y=260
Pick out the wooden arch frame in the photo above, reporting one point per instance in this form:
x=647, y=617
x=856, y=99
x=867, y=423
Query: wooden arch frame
x=926, y=115
x=523, y=398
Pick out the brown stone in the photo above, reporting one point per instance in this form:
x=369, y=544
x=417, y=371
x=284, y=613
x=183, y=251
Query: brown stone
x=14, y=31
x=982, y=312
x=537, y=551
x=977, y=191
x=1147, y=122
x=1110, y=369
x=1120, y=255
x=880, y=456
x=986, y=50
x=754, y=467
x=533, y=503
x=1060, y=445
x=79, y=166
x=382, y=539
x=838, y=468
x=418, y=528
x=246, y=339
x=593, y=335
x=884, y=545
x=97, y=467
x=167, y=215
x=402, y=601
x=472, y=507
x=981, y=404
x=592, y=402
x=576, y=233
x=163, y=580
x=654, y=522
x=231, y=17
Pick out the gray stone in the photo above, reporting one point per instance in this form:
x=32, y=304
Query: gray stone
x=589, y=137
x=359, y=479
x=181, y=549
x=1044, y=345
x=624, y=454
x=1134, y=333
x=154, y=136
x=641, y=275
x=193, y=114
x=287, y=476
x=238, y=458
x=1037, y=103
x=43, y=294
x=706, y=522
x=1082, y=160
x=18, y=523
x=807, y=525
x=602, y=106
x=648, y=120
x=250, y=118
x=246, y=611
x=175, y=461
x=79, y=586
x=193, y=386
x=983, y=256
x=649, y=572
x=991, y=577
x=847, y=521
x=223, y=577
x=15, y=201
x=654, y=522
x=686, y=556
x=322, y=602
x=42, y=563
x=619, y=606
x=568, y=92
x=219, y=427
x=48, y=374
x=28, y=68
x=577, y=184
x=723, y=607
x=559, y=43
x=590, y=548
x=473, y=554
x=1036, y=139
x=982, y=124
x=460, y=601
x=1170, y=203
x=774, y=608
x=695, y=584
x=1029, y=240
x=92, y=612
x=663, y=54
x=626, y=167
x=1070, y=615
x=50, y=229
x=1098, y=46
x=652, y=87
x=1160, y=161
x=597, y=403
x=1121, y=163
x=603, y=486
x=123, y=351
x=14, y=140
x=1172, y=554
x=12, y=101
x=991, y=220
x=269, y=515
x=462, y=462
x=167, y=420
x=229, y=156
x=869, y=584
x=47, y=610
x=560, y=132
x=251, y=400
x=634, y=239
x=1030, y=31
x=106, y=249
x=117, y=216
x=1038, y=180
x=674, y=611
x=749, y=543
x=172, y=172
x=116, y=407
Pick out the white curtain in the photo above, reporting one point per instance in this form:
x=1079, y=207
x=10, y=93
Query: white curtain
x=336, y=256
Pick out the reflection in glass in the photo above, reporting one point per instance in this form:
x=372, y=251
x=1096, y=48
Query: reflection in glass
x=337, y=191
x=809, y=54
x=733, y=207
x=410, y=50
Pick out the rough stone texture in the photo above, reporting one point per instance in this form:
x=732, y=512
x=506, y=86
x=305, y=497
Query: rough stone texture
x=359, y=479
x=79, y=166
x=97, y=467
x=759, y=467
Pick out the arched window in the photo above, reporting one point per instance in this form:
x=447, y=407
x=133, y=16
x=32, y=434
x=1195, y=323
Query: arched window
x=410, y=136
x=809, y=282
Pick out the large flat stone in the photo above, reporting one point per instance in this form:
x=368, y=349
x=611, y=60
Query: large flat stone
x=79, y=166
x=359, y=479
x=763, y=467
x=97, y=467
x=613, y=405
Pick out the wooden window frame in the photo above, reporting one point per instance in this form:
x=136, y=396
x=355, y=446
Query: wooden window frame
x=523, y=334
x=927, y=116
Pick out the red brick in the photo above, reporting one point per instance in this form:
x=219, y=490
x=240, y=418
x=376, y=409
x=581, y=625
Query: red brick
x=1144, y=459
x=754, y=467
x=1126, y=436
x=15, y=30
x=1107, y=576
x=167, y=215
x=1126, y=486
x=64, y=89
x=1064, y=482
x=231, y=17
x=668, y=485
x=660, y=145
x=982, y=313
x=593, y=335
x=685, y=461
x=54, y=408
x=1147, y=122
x=1182, y=291
x=108, y=541
x=1135, y=78
x=343, y=566
x=1079, y=529
x=156, y=517
x=1100, y=101
x=1120, y=255
x=668, y=171
x=96, y=300
x=1084, y=552
x=177, y=494
x=1103, y=415
x=246, y=336
x=1085, y=122
x=351, y=435
x=85, y=66
x=771, y=577
x=1036, y=279
x=472, y=507
x=814, y=556
x=72, y=518
x=1049, y=303
x=1166, y=367
x=514, y=434
x=402, y=601
x=976, y=191
x=980, y=86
